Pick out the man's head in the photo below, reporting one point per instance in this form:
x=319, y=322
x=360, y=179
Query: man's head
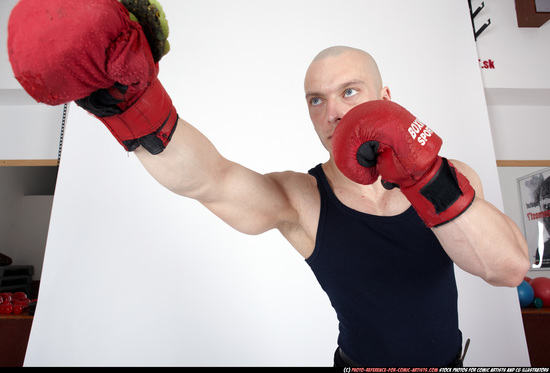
x=338, y=79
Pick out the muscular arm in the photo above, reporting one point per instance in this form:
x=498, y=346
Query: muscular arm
x=192, y=167
x=485, y=242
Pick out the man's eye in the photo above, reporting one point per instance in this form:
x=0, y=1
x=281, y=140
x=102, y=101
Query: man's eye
x=315, y=101
x=350, y=92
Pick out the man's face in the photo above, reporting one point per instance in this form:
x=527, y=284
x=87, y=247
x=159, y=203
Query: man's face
x=334, y=85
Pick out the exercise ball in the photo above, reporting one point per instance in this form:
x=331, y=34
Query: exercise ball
x=526, y=294
x=541, y=287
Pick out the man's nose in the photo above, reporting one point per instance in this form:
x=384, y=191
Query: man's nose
x=335, y=112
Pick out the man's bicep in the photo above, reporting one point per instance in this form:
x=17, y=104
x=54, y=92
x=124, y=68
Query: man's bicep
x=250, y=202
x=192, y=167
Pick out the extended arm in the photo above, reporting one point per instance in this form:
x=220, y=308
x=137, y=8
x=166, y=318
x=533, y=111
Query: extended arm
x=192, y=167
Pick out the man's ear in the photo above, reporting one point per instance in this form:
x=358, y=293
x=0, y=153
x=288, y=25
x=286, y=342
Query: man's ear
x=385, y=93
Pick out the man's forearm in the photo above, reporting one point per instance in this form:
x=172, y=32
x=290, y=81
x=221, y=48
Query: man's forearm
x=486, y=243
x=187, y=165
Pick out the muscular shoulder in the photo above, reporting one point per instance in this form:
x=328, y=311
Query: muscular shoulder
x=299, y=188
x=470, y=174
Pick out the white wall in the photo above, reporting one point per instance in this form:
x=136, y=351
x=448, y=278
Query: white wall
x=519, y=54
x=518, y=87
x=148, y=278
x=521, y=132
x=518, y=95
x=29, y=131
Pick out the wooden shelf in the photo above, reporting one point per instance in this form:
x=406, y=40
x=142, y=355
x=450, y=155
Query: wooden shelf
x=14, y=338
x=536, y=322
x=524, y=163
x=29, y=162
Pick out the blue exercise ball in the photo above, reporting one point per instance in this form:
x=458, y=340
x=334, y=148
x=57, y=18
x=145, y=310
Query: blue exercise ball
x=526, y=294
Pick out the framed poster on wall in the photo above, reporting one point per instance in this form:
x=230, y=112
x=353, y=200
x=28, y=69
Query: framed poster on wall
x=534, y=196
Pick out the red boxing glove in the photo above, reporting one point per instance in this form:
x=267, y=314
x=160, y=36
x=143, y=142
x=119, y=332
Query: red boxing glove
x=90, y=51
x=381, y=138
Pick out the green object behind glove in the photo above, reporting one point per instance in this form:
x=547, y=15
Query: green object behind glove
x=151, y=17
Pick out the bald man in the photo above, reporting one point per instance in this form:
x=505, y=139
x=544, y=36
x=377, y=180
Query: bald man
x=396, y=299
x=384, y=259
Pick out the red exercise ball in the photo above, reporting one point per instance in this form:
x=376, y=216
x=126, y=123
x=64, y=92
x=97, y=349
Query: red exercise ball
x=541, y=286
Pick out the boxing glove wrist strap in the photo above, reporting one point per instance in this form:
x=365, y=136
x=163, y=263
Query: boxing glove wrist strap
x=149, y=122
x=445, y=194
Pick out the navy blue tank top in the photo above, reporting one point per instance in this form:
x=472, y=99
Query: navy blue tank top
x=391, y=283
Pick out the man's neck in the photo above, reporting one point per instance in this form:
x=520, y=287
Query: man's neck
x=372, y=199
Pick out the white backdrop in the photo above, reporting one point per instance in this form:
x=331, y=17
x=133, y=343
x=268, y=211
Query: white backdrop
x=136, y=276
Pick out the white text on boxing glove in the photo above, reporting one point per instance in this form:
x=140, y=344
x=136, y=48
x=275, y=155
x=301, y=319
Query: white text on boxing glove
x=416, y=127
